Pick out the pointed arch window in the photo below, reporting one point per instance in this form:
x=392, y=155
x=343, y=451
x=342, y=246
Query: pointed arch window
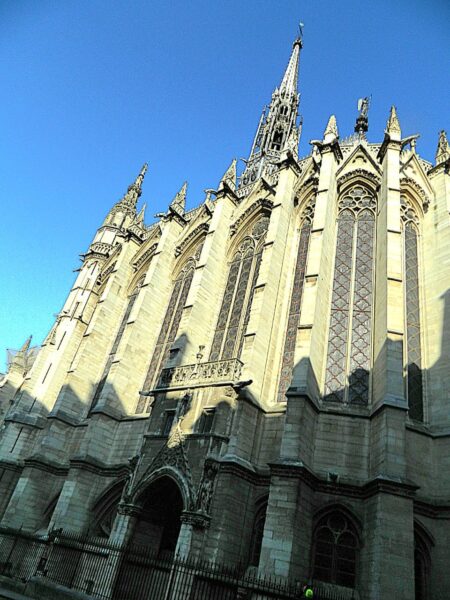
x=422, y=565
x=287, y=363
x=238, y=297
x=349, y=344
x=169, y=328
x=258, y=533
x=414, y=383
x=117, y=339
x=335, y=550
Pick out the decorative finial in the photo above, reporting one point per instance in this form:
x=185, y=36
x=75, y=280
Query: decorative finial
x=393, y=124
x=179, y=202
x=229, y=177
x=26, y=345
x=140, y=217
x=362, y=121
x=331, y=129
x=443, y=148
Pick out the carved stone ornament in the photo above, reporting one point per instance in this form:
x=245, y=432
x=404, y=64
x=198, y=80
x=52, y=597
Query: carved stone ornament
x=202, y=228
x=405, y=181
x=128, y=509
x=144, y=257
x=359, y=173
x=206, y=486
x=261, y=204
x=196, y=519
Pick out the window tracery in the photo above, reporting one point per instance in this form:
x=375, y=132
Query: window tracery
x=335, y=550
x=287, y=363
x=238, y=297
x=414, y=383
x=169, y=328
x=349, y=343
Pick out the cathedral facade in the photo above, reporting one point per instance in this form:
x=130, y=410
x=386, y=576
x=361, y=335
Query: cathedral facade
x=263, y=379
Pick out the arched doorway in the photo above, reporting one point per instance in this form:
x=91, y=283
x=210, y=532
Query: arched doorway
x=158, y=525
x=155, y=535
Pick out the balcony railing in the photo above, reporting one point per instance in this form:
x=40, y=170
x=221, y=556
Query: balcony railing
x=207, y=372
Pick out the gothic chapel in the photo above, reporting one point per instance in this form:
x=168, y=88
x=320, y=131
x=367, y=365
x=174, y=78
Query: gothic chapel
x=263, y=379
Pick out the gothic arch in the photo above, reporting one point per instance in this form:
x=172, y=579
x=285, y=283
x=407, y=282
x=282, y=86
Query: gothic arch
x=361, y=177
x=261, y=208
x=259, y=520
x=423, y=544
x=336, y=544
x=243, y=272
x=349, y=355
x=345, y=510
x=306, y=218
x=413, y=347
x=417, y=196
x=190, y=240
x=184, y=486
x=104, y=508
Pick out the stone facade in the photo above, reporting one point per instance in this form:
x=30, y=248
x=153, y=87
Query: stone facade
x=262, y=379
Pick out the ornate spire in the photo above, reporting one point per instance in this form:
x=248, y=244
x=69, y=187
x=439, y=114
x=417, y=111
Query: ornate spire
x=140, y=217
x=229, y=177
x=21, y=361
x=178, y=204
x=290, y=77
x=135, y=189
x=393, y=124
x=276, y=127
x=331, y=130
x=26, y=344
x=443, y=148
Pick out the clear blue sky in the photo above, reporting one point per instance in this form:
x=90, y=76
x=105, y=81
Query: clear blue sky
x=90, y=90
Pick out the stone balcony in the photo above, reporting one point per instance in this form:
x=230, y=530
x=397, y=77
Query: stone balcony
x=201, y=373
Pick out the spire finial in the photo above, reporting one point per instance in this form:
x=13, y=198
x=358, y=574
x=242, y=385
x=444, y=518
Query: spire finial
x=443, y=148
x=290, y=78
x=179, y=202
x=229, y=177
x=393, y=124
x=27, y=344
x=331, y=130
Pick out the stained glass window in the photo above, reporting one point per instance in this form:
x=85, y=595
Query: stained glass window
x=238, y=297
x=335, y=550
x=287, y=363
x=413, y=343
x=118, y=337
x=349, y=342
x=169, y=328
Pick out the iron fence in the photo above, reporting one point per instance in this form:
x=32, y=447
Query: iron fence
x=107, y=571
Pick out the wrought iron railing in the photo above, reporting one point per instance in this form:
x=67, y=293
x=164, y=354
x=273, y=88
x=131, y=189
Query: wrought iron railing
x=207, y=372
x=108, y=571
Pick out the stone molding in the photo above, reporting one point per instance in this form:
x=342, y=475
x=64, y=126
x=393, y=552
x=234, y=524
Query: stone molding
x=380, y=484
x=203, y=227
x=405, y=181
x=197, y=520
x=262, y=205
x=221, y=370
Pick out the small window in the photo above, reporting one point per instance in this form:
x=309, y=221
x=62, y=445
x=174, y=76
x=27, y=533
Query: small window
x=206, y=420
x=335, y=550
x=170, y=416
